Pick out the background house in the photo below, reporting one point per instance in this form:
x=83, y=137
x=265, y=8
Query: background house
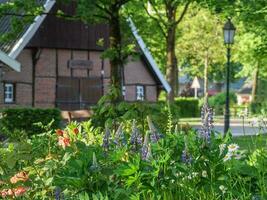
x=244, y=94
x=62, y=66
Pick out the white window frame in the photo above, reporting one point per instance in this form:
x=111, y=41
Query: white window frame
x=9, y=96
x=140, y=93
x=123, y=91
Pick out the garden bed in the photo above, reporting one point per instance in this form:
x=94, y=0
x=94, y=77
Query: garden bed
x=132, y=161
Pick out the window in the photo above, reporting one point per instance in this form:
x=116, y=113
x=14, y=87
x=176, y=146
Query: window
x=9, y=93
x=123, y=91
x=140, y=92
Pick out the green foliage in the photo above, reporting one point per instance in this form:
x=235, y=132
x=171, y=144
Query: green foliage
x=107, y=114
x=258, y=107
x=188, y=107
x=30, y=121
x=218, y=101
x=21, y=13
x=110, y=114
x=82, y=169
x=198, y=29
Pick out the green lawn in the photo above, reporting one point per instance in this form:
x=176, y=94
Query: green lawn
x=251, y=142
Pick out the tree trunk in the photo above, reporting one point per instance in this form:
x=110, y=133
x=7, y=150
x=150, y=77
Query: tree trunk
x=171, y=65
x=255, y=83
x=116, y=63
x=206, y=68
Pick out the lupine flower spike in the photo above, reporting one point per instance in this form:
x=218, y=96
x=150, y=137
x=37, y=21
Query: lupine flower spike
x=119, y=138
x=176, y=129
x=106, y=138
x=58, y=194
x=147, y=155
x=207, y=122
x=186, y=157
x=144, y=150
x=154, y=134
x=94, y=165
x=136, y=137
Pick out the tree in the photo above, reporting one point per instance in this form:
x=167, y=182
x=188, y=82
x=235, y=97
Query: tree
x=253, y=41
x=253, y=58
x=109, y=11
x=201, y=44
x=168, y=14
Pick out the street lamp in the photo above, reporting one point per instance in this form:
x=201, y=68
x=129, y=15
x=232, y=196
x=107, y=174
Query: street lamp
x=228, y=33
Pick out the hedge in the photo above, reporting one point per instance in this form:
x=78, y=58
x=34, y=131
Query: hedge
x=25, y=119
x=188, y=107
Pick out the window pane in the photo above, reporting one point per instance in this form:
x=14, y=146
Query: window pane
x=139, y=92
x=9, y=90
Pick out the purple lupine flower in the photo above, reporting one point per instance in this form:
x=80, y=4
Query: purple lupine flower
x=58, y=194
x=119, y=139
x=136, y=137
x=144, y=150
x=207, y=122
x=106, y=138
x=148, y=154
x=186, y=157
x=154, y=134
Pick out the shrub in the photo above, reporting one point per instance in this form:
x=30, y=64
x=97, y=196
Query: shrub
x=161, y=112
x=258, y=107
x=188, y=107
x=110, y=114
x=218, y=101
x=24, y=120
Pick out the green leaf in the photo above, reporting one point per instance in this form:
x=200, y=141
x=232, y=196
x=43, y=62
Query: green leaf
x=84, y=196
x=49, y=181
x=1, y=171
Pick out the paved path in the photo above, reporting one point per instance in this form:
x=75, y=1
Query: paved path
x=237, y=130
x=236, y=127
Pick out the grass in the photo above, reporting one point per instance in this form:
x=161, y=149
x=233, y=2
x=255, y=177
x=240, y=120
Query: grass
x=251, y=142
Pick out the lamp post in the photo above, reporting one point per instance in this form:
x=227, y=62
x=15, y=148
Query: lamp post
x=229, y=33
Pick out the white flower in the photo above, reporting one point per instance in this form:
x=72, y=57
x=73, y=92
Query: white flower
x=204, y=174
x=194, y=174
x=227, y=157
x=222, y=148
x=233, y=147
x=223, y=188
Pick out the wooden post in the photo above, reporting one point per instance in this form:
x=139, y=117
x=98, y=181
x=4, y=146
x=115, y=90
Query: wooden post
x=195, y=93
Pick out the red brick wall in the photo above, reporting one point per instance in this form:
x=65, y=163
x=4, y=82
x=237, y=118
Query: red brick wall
x=45, y=79
x=54, y=62
x=22, y=81
x=136, y=73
